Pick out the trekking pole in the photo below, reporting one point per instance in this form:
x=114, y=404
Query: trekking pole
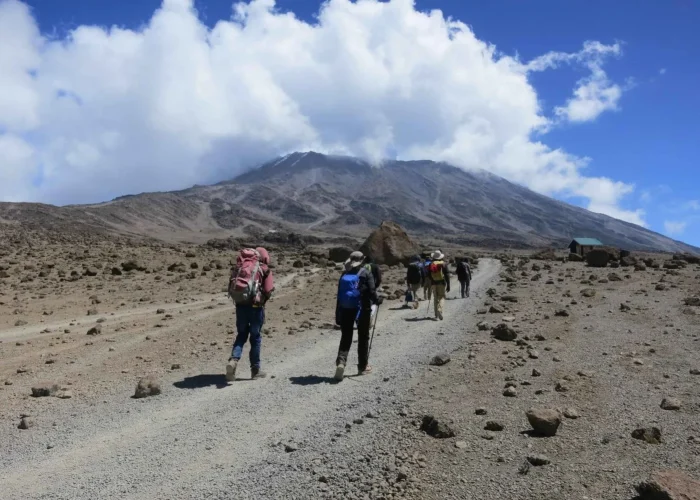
x=376, y=315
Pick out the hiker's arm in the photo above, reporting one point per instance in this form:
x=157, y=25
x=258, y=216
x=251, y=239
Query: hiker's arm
x=371, y=289
x=268, y=285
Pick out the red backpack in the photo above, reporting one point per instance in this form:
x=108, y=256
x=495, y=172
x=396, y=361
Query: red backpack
x=246, y=279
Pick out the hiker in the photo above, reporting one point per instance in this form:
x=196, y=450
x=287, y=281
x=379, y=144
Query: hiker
x=251, y=286
x=464, y=276
x=372, y=267
x=414, y=279
x=427, y=285
x=356, y=291
x=440, y=281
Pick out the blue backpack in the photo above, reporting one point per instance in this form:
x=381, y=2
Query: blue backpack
x=349, y=291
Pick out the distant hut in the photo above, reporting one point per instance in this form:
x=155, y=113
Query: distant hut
x=582, y=246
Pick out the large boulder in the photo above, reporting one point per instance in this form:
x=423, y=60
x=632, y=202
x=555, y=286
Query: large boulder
x=339, y=254
x=669, y=485
x=687, y=257
x=389, y=244
x=598, y=258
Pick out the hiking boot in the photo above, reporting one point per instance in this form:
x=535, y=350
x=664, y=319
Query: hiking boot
x=339, y=371
x=440, y=316
x=231, y=370
x=257, y=373
x=364, y=371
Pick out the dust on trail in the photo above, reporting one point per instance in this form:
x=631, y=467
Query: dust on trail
x=195, y=439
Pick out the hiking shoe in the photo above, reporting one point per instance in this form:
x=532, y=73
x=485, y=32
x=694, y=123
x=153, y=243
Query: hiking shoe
x=366, y=371
x=339, y=371
x=231, y=370
x=440, y=317
x=257, y=373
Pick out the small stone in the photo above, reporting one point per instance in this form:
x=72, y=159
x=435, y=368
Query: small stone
x=147, y=387
x=25, y=423
x=504, y=332
x=176, y=366
x=510, y=392
x=571, y=413
x=440, y=360
x=290, y=448
x=533, y=354
x=95, y=330
x=460, y=445
x=536, y=372
x=480, y=411
x=562, y=313
x=538, y=460
x=671, y=404
x=544, y=422
x=651, y=435
x=65, y=394
x=44, y=390
x=561, y=387
x=435, y=428
x=638, y=361
x=494, y=426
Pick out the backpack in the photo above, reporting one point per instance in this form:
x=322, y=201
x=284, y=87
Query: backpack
x=436, y=273
x=349, y=291
x=415, y=273
x=246, y=280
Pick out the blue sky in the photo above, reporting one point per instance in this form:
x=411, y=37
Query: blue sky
x=650, y=141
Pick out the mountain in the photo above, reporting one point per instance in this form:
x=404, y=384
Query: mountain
x=336, y=196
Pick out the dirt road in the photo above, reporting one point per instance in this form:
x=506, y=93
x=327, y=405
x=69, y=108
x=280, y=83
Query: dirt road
x=204, y=439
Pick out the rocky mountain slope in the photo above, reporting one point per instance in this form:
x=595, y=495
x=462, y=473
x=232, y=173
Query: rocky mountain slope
x=311, y=193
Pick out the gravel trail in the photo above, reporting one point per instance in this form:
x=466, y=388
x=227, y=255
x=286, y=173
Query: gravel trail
x=203, y=439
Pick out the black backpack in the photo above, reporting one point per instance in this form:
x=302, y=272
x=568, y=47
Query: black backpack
x=415, y=273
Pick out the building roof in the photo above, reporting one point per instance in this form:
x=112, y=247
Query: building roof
x=588, y=242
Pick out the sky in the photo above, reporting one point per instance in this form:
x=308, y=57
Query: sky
x=594, y=103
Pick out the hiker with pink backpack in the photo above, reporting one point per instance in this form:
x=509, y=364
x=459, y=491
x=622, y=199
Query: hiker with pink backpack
x=250, y=286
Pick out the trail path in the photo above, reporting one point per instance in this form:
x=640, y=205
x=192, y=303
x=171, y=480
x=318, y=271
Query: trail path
x=203, y=439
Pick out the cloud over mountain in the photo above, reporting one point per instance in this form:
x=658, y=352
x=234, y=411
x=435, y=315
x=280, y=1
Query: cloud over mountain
x=107, y=111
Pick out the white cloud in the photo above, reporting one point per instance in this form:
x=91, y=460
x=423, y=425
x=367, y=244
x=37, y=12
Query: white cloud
x=674, y=228
x=693, y=205
x=108, y=112
x=662, y=71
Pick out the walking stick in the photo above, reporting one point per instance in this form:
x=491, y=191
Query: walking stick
x=373, y=328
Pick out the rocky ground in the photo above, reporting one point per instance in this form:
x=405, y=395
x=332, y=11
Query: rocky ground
x=610, y=351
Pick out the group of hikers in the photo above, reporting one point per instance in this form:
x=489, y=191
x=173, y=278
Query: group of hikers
x=251, y=285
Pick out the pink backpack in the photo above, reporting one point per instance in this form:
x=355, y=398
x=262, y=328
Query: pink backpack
x=246, y=280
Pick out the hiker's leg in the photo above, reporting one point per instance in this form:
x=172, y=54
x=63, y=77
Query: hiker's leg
x=469, y=282
x=435, y=298
x=363, y=327
x=243, y=329
x=347, y=323
x=439, y=300
x=257, y=318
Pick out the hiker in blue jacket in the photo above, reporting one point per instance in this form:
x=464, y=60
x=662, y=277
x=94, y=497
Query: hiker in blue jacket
x=356, y=291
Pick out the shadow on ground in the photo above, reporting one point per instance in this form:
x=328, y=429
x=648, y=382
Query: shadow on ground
x=312, y=380
x=413, y=320
x=201, y=381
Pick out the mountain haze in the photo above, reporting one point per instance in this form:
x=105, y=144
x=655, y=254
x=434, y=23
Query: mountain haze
x=311, y=193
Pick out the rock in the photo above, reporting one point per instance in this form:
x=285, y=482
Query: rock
x=298, y=264
x=504, y=332
x=624, y=307
x=290, y=448
x=561, y=386
x=116, y=271
x=509, y=298
x=614, y=277
x=651, y=435
x=597, y=258
x=660, y=287
x=132, y=265
x=695, y=371
x=669, y=485
x=637, y=361
x=440, y=359
x=483, y=326
x=147, y=387
x=571, y=413
x=562, y=313
x=536, y=372
x=692, y=301
x=494, y=426
x=26, y=423
x=339, y=254
x=538, y=460
x=544, y=422
x=480, y=411
x=460, y=445
x=20, y=322
x=95, y=330
x=389, y=244
x=65, y=394
x=510, y=392
x=496, y=309
x=588, y=292
x=44, y=390
x=176, y=366
x=533, y=354
x=574, y=257
x=160, y=311
x=432, y=427
x=671, y=404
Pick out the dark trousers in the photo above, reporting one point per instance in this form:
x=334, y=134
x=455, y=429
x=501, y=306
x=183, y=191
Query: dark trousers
x=249, y=322
x=347, y=323
x=464, y=287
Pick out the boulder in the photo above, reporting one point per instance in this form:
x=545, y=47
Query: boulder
x=504, y=332
x=547, y=254
x=339, y=254
x=440, y=359
x=651, y=435
x=669, y=485
x=687, y=257
x=389, y=244
x=544, y=422
x=598, y=258
x=692, y=301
